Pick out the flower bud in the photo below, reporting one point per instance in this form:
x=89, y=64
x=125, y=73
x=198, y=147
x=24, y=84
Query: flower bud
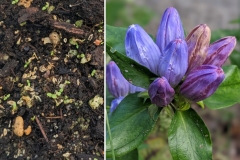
x=219, y=51
x=198, y=41
x=160, y=92
x=115, y=103
x=202, y=82
x=141, y=48
x=174, y=63
x=170, y=28
x=118, y=86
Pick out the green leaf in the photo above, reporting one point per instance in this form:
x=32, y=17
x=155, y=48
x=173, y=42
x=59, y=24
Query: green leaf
x=118, y=14
x=130, y=124
x=131, y=70
x=235, y=58
x=218, y=34
x=188, y=137
x=133, y=155
x=227, y=93
x=116, y=38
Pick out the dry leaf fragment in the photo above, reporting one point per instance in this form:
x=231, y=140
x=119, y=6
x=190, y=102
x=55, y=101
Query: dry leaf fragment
x=25, y=3
x=55, y=38
x=96, y=102
x=59, y=146
x=97, y=42
x=46, y=40
x=28, y=101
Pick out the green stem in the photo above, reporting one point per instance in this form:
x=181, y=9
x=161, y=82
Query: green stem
x=110, y=136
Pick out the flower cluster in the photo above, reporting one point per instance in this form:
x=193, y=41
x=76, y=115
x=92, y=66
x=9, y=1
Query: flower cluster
x=189, y=67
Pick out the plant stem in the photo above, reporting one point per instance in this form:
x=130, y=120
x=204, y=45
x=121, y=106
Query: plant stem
x=110, y=136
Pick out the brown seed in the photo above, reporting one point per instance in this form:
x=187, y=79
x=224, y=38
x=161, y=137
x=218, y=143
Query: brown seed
x=28, y=130
x=18, y=126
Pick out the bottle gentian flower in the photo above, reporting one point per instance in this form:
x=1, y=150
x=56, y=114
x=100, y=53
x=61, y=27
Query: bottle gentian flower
x=219, y=51
x=202, y=82
x=170, y=28
x=117, y=85
x=141, y=48
x=174, y=63
x=160, y=92
x=198, y=41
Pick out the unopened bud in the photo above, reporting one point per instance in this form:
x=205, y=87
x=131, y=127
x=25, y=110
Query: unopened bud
x=202, y=82
x=219, y=51
x=118, y=86
x=198, y=42
x=170, y=28
x=160, y=92
x=174, y=63
x=141, y=48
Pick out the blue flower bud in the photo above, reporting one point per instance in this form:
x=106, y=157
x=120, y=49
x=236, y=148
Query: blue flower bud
x=202, y=82
x=141, y=48
x=170, y=28
x=160, y=92
x=118, y=86
x=115, y=103
x=198, y=41
x=219, y=51
x=174, y=63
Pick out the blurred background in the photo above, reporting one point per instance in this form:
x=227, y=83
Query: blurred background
x=223, y=17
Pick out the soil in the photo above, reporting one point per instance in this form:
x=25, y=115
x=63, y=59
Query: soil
x=50, y=85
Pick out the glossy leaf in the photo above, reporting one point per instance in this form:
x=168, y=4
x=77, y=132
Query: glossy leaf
x=188, y=137
x=130, y=124
x=116, y=38
x=131, y=70
x=133, y=155
x=227, y=93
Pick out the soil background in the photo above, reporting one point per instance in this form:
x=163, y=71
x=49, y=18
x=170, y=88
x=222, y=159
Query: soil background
x=71, y=69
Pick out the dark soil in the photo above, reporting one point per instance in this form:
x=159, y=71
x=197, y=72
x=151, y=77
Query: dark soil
x=30, y=69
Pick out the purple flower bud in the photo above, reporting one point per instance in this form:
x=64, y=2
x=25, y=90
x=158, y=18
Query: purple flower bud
x=118, y=86
x=141, y=48
x=174, y=63
x=115, y=103
x=198, y=41
x=160, y=92
x=202, y=82
x=219, y=51
x=170, y=28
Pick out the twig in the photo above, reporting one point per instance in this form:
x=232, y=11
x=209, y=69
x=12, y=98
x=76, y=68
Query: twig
x=41, y=129
x=54, y=117
x=57, y=116
x=70, y=28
